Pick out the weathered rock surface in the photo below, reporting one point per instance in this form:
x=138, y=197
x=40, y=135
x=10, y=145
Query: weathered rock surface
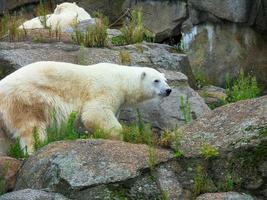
x=8, y=170
x=228, y=127
x=164, y=18
x=7, y=5
x=231, y=10
x=238, y=132
x=82, y=167
x=212, y=95
x=237, y=47
x=161, y=115
x=31, y=194
x=225, y=196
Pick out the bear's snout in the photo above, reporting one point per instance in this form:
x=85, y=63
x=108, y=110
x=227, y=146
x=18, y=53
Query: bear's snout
x=168, y=91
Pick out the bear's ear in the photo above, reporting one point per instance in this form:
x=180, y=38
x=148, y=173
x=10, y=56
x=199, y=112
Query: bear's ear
x=143, y=75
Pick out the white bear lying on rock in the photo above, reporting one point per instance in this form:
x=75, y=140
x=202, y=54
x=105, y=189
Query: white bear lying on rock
x=64, y=16
x=97, y=92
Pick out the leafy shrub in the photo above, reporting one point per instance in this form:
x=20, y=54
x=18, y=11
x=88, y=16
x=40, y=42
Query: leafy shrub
x=244, y=87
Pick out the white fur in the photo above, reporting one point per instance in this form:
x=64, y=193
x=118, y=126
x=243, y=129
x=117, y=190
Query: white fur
x=96, y=92
x=64, y=16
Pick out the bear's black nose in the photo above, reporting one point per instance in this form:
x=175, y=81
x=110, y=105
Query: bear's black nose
x=168, y=92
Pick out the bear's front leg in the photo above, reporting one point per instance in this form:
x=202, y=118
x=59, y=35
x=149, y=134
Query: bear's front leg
x=97, y=116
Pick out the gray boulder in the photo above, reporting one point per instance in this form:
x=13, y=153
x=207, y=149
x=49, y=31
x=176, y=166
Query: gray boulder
x=31, y=194
x=231, y=10
x=225, y=196
x=237, y=47
x=91, y=169
x=228, y=127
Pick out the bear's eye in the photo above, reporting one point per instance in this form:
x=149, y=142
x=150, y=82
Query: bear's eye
x=156, y=81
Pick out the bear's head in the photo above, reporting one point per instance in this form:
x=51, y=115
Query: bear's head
x=154, y=84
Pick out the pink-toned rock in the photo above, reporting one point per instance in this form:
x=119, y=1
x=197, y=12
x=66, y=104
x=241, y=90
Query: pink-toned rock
x=8, y=170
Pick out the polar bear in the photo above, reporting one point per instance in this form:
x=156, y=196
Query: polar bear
x=64, y=16
x=96, y=92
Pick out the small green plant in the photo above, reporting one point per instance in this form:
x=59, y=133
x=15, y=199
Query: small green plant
x=149, y=36
x=81, y=57
x=54, y=132
x=166, y=139
x=165, y=195
x=186, y=110
x=178, y=154
x=95, y=36
x=199, y=181
x=202, y=182
x=118, y=40
x=229, y=183
x=16, y=152
x=200, y=78
x=100, y=134
x=4, y=25
x=176, y=144
x=180, y=47
x=42, y=12
x=138, y=132
x=152, y=157
x=134, y=31
x=263, y=132
x=37, y=141
x=125, y=57
x=244, y=87
x=9, y=27
x=209, y=152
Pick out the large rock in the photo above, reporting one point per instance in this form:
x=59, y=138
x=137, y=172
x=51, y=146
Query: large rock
x=230, y=126
x=87, y=169
x=225, y=150
x=225, y=196
x=231, y=10
x=8, y=170
x=31, y=194
x=7, y=5
x=218, y=50
x=162, y=115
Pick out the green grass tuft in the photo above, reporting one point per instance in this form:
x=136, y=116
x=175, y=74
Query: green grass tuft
x=186, y=110
x=118, y=40
x=244, y=87
x=134, y=31
x=16, y=152
x=95, y=35
x=209, y=152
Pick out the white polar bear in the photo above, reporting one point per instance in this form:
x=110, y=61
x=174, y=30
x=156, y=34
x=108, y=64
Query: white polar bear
x=64, y=16
x=96, y=92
